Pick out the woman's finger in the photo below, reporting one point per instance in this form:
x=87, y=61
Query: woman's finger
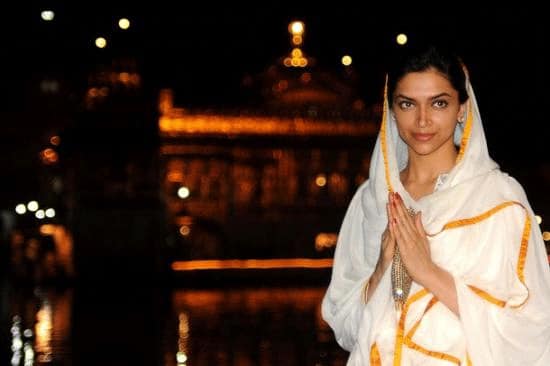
x=404, y=220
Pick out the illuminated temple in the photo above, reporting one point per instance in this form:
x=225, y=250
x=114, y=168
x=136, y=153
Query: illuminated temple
x=268, y=181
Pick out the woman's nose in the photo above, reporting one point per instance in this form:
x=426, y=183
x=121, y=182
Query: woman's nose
x=422, y=118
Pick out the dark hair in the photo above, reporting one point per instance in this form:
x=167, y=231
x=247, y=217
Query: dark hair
x=417, y=59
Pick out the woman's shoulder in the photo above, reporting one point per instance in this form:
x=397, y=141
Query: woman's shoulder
x=506, y=186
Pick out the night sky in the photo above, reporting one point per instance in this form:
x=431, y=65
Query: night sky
x=204, y=50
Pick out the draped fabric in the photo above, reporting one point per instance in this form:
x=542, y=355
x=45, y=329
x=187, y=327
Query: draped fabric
x=481, y=230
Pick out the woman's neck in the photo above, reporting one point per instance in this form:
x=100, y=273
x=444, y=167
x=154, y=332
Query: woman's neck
x=421, y=172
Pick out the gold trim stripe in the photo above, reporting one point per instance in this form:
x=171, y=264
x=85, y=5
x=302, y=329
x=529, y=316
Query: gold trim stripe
x=524, y=245
x=375, y=356
x=383, y=143
x=476, y=219
x=466, y=134
x=522, y=255
x=486, y=296
x=413, y=345
x=415, y=326
x=399, y=336
x=439, y=355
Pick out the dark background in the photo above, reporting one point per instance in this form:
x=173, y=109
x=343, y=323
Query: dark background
x=204, y=50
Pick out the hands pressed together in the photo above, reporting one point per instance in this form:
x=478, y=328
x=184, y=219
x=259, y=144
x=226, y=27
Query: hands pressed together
x=407, y=232
x=409, y=235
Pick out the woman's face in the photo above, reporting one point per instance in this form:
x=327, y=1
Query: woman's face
x=426, y=109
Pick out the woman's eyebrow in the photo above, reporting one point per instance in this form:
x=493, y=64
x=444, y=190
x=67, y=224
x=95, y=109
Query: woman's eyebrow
x=444, y=94
x=441, y=95
x=403, y=97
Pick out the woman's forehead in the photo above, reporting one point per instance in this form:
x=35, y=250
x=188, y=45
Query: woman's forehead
x=424, y=84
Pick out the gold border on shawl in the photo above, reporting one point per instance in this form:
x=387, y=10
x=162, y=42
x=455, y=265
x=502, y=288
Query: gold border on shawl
x=434, y=354
x=487, y=297
x=524, y=245
x=399, y=335
x=415, y=346
x=432, y=302
x=375, y=356
x=466, y=135
x=522, y=255
x=383, y=142
x=476, y=219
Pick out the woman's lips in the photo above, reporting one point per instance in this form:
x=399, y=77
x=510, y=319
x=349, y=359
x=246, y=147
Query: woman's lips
x=423, y=136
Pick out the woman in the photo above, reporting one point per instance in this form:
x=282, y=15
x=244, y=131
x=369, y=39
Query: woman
x=438, y=212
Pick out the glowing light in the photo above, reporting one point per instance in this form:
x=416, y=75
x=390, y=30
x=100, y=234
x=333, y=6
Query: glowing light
x=100, y=42
x=346, y=60
x=325, y=240
x=50, y=212
x=44, y=330
x=49, y=156
x=123, y=23
x=296, y=28
x=287, y=62
x=401, y=39
x=296, y=52
x=40, y=214
x=297, y=40
x=20, y=209
x=47, y=15
x=546, y=236
x=17, y=343
x=174, y=176
x=321, y=180
x=185, y=230
x=209, y=264
x=538, y=218
x=179, y=123
x=183, y=330
x=47, y=229
x=55, y=140
x=32, y=206
x=124, y=77
x=181, y=357
x=183, y=192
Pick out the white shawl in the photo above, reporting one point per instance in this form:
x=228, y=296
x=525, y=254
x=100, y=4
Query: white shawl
x=482, y=232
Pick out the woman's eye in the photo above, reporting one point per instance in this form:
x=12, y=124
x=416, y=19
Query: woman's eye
x=405, y=104
x=440, y=103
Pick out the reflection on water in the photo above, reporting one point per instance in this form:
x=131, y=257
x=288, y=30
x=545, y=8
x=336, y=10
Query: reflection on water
x=40, y=326
x=270, y=326
x=265, y=326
